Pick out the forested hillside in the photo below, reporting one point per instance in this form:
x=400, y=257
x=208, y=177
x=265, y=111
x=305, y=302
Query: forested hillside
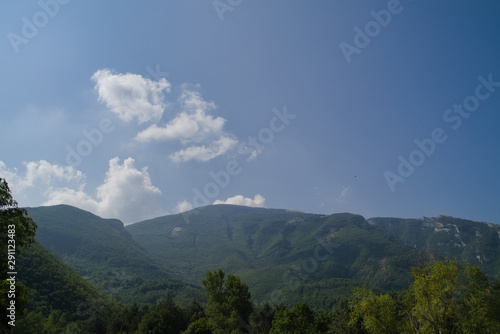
x=262, y=270
x=56, y=291
x=470, y=242
x=299, y=254
x=105, y=254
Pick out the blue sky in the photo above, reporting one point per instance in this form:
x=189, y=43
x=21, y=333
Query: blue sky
x=312, y=106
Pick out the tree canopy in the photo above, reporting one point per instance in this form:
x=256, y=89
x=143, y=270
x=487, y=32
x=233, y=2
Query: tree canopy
x=444, y=298
x=228, y=301
x=17, y=231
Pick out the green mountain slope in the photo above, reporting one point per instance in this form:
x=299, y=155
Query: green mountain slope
x=469, y=242
x=56, y=287
x=104, y=253
x=284, y=256
x=88, y=243
x=281, y=254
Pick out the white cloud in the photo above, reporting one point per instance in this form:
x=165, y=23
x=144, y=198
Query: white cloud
x=70, y=196
x=192, y=101
x=183, y=207
x=205, y=153
x=257, y=201
x=126, y=193
x=39, y=177
x=191, y=124
x=131, y=95
x=45, y=172
x=187, y=127
x=201, y=135
x=193, y=127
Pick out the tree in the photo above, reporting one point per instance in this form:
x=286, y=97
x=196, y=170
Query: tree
x=261, y=319
x=444, y=298
x=12, y=215
x=164, y=317
x=298, y=320
x=123, y=319
x=379, y=313
x=341, y=319
x=450, y=299
x=200, y=326
x=17, y=231
x=193, y=312
x=493, y=301
x=228, y=301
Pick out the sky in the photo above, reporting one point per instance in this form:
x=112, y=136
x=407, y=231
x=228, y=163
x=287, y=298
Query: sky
x=133, y=110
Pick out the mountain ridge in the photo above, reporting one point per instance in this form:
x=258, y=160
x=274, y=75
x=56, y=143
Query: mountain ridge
x=279, y=245
x=104, y=253
x=255, y=243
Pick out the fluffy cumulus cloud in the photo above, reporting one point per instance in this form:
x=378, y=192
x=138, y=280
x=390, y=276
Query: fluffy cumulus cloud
x=186, y=127
x=126, y=193
x=201, y=134
x=38, y=178
x=131, y=96
x=257, y=201
x=192, y=124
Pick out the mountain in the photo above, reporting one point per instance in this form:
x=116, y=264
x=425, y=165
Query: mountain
x=56, y=287
x=284, y=256
x=105, y=254
x=295, y=255
x=89, y=243
x=469, y=242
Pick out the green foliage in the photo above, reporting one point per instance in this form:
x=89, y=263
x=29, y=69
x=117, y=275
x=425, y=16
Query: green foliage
x=379, y=313
x=314, y=262
x=148, y=292
x=103, y=252
x=92, y=246
x=193, y=312
x=261, y=319
x=444, y=298
x=493, y=301
x=451, y=299
x=11, y=214
x=36, y=322
x=469, y=242
x=228, y=301
x=17, y=232
x=165, y=317
x=125, y=320
x=282, y=246
x=298, y=320
x=343, y=319
x=54, y=285
x=200, y=326
x=146, y=261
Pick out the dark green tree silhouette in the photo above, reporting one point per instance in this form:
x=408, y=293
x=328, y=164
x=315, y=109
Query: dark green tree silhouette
x=17, y=230
x=300, y=319
x=165, y=317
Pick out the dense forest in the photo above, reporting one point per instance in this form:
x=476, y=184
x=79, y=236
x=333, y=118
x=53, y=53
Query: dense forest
x=444, y=298
x=97, y=277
